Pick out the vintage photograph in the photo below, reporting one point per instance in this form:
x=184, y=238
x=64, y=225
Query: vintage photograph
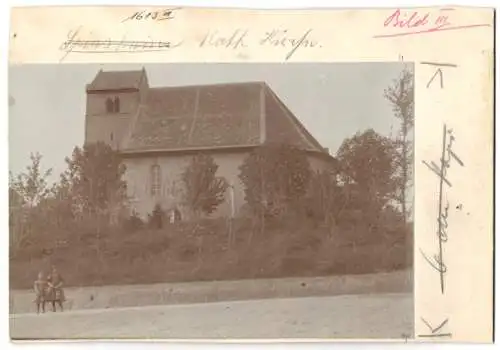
x=211, y=201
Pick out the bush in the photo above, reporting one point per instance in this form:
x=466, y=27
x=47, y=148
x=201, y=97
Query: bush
x=133, y=223
x=204, y=191
x=156, y=217
x=275, y=179
x=200, y=251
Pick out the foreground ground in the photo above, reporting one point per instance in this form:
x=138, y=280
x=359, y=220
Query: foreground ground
x=349, y=316
x=21, y=301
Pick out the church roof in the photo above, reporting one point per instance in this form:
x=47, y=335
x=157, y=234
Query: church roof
x=215, y=116
x=231, y=115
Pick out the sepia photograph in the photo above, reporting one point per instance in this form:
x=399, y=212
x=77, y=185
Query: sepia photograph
x=211, y=201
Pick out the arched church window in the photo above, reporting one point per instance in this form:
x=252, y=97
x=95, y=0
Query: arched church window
x=155, y=179
x=117, y=105
x=109, y=105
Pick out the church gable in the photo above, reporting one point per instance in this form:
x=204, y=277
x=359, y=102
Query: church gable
x=283, y=127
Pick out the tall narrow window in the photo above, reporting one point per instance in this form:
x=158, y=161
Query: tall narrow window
x=109, y=105
x=155, y=179
x=117, y=105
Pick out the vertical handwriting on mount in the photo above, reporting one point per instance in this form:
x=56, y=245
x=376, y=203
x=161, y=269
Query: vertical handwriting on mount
x=447, y=155
x=161, y=15
x=435, y=331
x=436, y=263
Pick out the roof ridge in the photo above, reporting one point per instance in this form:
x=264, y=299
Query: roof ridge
x=122, y=71
x=256, y=82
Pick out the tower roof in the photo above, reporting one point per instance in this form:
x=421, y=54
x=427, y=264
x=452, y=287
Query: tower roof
x=116, y=80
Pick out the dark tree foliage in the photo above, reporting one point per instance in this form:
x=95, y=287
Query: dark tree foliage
x=133, y=223
x=204, y=191
x=275, y=177
x=156, y=217
x=95, y=177
x=367, y=162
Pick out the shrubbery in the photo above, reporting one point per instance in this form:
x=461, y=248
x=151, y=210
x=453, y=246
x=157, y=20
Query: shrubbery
x=200, y=251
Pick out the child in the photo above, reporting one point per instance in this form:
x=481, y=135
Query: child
x=56, y=291
x=39, y=286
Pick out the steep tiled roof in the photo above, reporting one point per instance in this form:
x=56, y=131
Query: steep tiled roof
x=199, y=117
x=116, y=80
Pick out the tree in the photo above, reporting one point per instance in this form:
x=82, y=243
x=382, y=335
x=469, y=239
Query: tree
x=94, y=179
x=27, y=193
x=204, y=191
x=368, y=159
x=15, y=199
x=401, y=96
x=32, y=185
x=16, y=218
x=326, y=200
x=275, y=177
x=59, y=205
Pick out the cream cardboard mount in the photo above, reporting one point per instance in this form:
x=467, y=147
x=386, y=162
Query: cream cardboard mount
x=451, y=50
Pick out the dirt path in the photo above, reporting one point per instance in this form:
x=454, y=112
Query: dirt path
x=348, y=316
x=217, y=291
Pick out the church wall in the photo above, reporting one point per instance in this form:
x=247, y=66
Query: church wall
x=139, y=181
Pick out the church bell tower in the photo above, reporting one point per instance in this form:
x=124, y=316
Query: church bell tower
x=113, y=100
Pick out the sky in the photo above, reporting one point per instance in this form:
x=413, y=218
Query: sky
x=332, y=100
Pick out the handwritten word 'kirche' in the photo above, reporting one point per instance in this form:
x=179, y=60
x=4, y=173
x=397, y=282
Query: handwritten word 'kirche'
x=403, y=23
x=448, y=155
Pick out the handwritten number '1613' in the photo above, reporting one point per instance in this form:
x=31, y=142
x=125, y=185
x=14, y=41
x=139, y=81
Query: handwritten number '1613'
x=154, y=16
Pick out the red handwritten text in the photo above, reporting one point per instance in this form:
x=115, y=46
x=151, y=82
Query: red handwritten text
x=415, y=22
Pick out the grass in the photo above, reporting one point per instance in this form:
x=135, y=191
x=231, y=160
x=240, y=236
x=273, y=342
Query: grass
x=203, y=251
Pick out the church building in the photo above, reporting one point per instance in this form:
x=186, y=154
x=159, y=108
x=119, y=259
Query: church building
x=158, y=129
